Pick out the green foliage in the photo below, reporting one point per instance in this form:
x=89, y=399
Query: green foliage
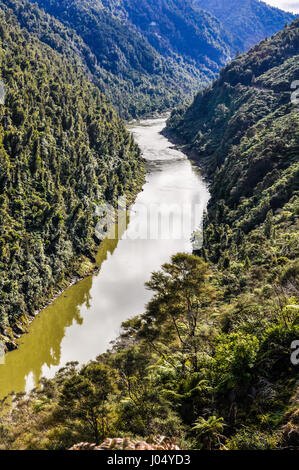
x=208, y=362
x=209, y=432
x=84, y=397
x=63, y=151
x=252, y=440
x=182, y=299
x=244, y=130
x=246, y=22
x=174, y=371
x=236, y=355
x=175, y=27
x=147, y=57
x=118, y=45
x=235, y=111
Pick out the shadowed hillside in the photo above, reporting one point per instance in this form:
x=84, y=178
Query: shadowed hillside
x=248, y=21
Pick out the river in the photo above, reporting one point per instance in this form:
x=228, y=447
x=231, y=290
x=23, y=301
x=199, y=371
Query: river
x=82, y=322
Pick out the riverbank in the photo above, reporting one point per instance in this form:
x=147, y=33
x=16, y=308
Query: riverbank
x=77, y=271
x=188, y=150
x=11, y=335
x=81, y=322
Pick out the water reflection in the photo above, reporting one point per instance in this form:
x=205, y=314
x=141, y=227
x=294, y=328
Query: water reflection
x=83, y=321
x=40, y=351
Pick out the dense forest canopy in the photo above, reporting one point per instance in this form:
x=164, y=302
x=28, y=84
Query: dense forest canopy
x=147, y=56
x=246, y=22
x=63, y=151
x=244, y=130
x=174, y=28
x=138, y=77
x=135, y=77
x=209, y=361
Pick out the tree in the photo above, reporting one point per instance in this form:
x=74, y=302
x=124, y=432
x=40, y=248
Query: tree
x=84, y=396
x=182, y=296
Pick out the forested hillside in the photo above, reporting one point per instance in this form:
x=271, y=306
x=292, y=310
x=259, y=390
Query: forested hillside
x=244, y=131
x=209, y=362
x=138, y=78
x=63, y=150
x=176, y=29
x=248, y=21
x=145, y=56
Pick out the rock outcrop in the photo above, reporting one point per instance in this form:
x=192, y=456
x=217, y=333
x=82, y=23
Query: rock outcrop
x=157, y=443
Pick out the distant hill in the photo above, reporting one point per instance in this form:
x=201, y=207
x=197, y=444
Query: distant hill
x=141, y=69
x=145, y=56
x=247, y=21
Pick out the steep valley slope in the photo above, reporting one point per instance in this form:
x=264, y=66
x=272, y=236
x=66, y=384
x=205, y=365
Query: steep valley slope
x=63, y=151
x=210, y=363
x=147, y=57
